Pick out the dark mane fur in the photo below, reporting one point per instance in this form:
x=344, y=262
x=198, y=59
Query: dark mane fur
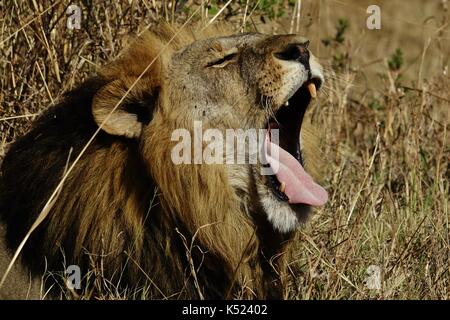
x=32, y=169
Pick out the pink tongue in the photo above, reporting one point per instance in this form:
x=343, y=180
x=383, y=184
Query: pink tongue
x=300, y=187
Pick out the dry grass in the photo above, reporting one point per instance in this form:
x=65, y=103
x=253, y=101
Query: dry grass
x=386, y=129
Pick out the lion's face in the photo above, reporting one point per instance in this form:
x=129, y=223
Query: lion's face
x=255, y=81
x=247, y=81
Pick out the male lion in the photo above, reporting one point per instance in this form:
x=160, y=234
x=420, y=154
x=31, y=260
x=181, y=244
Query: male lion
x=135, y=221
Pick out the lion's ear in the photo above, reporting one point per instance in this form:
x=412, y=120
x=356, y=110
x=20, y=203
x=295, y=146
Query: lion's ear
x=121, y=113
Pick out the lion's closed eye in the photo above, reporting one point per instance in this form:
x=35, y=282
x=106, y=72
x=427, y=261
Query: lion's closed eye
x=228, y=57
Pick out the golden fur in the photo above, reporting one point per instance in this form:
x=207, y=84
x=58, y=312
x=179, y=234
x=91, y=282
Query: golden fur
x=129, y=215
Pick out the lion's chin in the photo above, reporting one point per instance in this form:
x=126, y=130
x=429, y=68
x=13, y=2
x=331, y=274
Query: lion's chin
x=284, y=217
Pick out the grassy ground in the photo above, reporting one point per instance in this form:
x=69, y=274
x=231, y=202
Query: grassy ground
x=384, y=113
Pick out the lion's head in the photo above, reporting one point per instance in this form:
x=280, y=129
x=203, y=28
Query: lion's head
x=170, y=80
x=247, y=81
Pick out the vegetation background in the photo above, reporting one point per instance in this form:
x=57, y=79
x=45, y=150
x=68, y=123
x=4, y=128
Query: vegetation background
x=384, y=113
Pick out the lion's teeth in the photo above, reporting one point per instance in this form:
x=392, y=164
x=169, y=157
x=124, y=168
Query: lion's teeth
x=312, y=90
x=286, y=103
x=283, y=186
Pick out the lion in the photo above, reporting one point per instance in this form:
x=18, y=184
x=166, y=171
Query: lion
x=134, y=221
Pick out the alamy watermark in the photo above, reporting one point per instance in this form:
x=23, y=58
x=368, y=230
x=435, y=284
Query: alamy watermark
x=74, y=17
x=374, y=19
x=229, y=146
x=373, y=279
x=73, y=277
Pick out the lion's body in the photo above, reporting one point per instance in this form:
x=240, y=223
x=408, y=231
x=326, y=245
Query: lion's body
x=130, y=218
x=108, y=206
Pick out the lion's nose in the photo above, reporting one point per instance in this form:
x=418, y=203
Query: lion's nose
x=295, y=52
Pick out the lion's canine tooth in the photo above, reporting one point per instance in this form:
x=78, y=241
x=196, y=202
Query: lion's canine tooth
x=283, y=186
x=312, y=90
x=286, y=103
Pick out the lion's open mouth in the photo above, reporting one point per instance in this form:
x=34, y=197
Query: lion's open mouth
x=291, y=183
